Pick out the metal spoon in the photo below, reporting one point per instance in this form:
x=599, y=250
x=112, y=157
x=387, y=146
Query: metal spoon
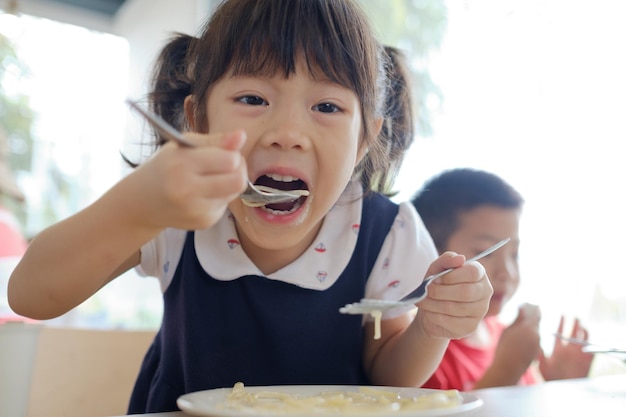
x=253, y=196
x=370, y=305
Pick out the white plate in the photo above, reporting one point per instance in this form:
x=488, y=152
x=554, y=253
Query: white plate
x=209, y=403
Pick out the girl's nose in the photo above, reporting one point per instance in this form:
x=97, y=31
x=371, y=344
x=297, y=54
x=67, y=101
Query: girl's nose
x=287, y=131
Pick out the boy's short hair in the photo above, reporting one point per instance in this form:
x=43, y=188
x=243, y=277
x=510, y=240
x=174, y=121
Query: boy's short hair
x=445, y=196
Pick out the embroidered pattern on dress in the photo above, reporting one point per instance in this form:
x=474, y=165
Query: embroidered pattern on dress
x=321, y=276
x=386, y=263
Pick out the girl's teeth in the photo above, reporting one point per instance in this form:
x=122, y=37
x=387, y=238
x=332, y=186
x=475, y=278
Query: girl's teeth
x=282, y=178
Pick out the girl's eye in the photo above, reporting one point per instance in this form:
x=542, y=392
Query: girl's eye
x=326, y=108
x=252, y=100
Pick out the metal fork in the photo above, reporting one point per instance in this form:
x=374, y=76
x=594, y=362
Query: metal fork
x=369, y=305
x=592, y=347
x=252, y=196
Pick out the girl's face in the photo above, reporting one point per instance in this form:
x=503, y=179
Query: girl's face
x=479, y=229
x=301, y=133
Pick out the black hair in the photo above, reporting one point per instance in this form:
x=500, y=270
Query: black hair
x=444, y=197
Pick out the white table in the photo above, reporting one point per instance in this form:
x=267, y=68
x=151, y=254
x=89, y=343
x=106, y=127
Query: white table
x=596, y=397
x=589, y=397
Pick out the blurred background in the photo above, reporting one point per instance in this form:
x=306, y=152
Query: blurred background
x=531, y=90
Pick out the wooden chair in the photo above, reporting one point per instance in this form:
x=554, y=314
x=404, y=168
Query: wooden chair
x=85, y=373
x=18, y=343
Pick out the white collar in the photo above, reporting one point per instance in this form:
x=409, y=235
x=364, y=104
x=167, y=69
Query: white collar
x=221, y=256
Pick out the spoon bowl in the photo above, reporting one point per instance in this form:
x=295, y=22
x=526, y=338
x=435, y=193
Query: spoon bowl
x=372, y=306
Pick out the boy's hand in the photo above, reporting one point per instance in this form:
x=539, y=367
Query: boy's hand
x=189, y=188
x=519, y=343
x=568, y=359
x=457, y=301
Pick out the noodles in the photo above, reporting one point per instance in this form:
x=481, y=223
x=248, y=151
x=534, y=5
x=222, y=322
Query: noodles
x=362, y=400
x=377, y=315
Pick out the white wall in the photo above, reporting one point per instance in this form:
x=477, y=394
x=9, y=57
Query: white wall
x=148, y=24
x=145, y=24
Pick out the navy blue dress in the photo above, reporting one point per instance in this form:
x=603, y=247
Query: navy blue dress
x=259, y=331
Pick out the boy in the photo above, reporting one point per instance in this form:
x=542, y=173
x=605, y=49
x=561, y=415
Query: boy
x=467, y=211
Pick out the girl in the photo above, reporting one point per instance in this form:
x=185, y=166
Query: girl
x=292, y=94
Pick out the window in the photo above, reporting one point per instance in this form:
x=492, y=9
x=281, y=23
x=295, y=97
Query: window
x=77, y=81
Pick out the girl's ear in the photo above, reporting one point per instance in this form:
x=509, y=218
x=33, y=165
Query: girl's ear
x=190, y=111
x=363, y=148
x=378, y=124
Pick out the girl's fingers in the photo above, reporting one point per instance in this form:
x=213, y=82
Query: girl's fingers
x=468, y=283
x=227, y=185
x=212, y=161
x=468, y=272
x=458, y=300
x=206, y=160
x=212, y=154
x=198, y=172
x=233, y=141
x=445, y=261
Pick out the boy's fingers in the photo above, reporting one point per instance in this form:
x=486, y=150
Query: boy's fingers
x=531, y=312
x=561, y=325
x=578, y=331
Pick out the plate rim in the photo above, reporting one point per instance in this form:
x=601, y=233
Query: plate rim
x=471, y=401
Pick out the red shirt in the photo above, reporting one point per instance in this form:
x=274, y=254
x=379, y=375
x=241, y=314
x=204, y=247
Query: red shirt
x=12, y=242
x=463, y=365
x=12, y=247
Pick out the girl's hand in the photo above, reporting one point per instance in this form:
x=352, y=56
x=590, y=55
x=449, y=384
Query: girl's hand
x=457, y=301
x=188, y=188
x=567, y=359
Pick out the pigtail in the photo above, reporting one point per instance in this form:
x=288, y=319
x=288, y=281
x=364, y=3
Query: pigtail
x=385, y=156
x=397, y=131
x=171, y=83
x=398, y=128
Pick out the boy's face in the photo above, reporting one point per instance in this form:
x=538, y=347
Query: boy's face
x=301, y=130
x=480, y=228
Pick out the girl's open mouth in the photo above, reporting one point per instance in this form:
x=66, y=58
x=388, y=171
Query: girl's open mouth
x=284, y=183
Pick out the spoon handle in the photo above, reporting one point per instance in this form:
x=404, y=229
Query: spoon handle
x=161, y=125
x=420, y=292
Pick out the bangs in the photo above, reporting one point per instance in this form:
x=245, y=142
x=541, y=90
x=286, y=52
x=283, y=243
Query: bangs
x=271, y=38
